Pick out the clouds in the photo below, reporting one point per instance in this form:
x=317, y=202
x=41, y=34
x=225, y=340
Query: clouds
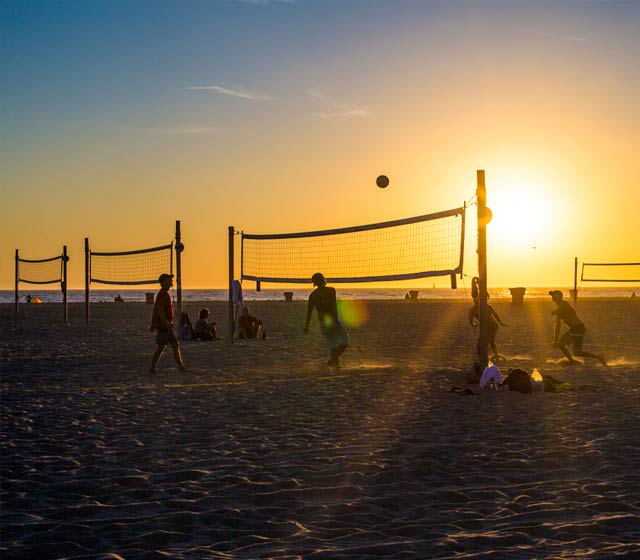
x=239, y=92
x=331, y=109
x=334, y=110
x=188, y=130
x=263, y=2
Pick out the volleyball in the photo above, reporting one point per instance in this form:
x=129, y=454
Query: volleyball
x=382, y=181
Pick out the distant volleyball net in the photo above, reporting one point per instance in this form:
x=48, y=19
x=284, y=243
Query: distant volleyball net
x=52, y=270
x=131, y=268
x=610, y=272
x=134, y=267
x=419, y=247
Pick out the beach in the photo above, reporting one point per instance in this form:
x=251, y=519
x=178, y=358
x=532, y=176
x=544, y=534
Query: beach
x=259, y=450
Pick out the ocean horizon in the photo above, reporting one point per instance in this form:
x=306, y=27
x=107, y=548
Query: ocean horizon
x=271, y=294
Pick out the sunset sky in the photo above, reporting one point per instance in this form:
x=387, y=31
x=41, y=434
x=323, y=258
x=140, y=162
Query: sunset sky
x=117, y=118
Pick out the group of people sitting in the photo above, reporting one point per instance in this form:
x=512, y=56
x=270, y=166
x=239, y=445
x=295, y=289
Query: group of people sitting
x=248, y=326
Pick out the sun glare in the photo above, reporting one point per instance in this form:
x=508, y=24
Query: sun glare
x=522, y=216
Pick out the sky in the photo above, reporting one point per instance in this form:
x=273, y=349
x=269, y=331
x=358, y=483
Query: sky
x=118, y=118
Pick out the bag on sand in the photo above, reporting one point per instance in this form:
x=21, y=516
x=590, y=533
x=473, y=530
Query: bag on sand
x=518, y=380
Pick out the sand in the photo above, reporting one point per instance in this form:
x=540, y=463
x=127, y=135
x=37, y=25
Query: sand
x=260, y=451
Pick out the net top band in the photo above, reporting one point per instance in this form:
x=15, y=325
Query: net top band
x=338, y=231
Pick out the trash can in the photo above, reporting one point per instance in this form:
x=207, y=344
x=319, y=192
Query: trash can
x=413, y=295
x=517, y=295
x=288, y=296
x=149, y=296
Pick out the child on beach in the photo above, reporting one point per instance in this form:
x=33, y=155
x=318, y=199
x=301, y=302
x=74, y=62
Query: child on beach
x=574, y=335
x=162, y=324
x=205, y=330
x=323, y=299
x=186, y=327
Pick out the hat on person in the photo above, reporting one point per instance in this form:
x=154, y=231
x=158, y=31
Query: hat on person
x=554, y=293
x=318, y=279
x=165, y=277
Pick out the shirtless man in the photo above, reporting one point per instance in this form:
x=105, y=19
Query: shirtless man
x=323, y=299
x=574, y=335
x=162, y=323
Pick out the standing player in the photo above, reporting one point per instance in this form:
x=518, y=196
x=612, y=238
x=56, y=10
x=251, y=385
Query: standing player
x=323, y=299
x=574, y=335
x=162, y=323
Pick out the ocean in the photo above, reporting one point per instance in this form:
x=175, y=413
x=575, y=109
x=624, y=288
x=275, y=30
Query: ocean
x=78, y=296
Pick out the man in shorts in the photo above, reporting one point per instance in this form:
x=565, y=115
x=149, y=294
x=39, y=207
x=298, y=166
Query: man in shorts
x=162, y=324
x=323, y=299
x=574, y=335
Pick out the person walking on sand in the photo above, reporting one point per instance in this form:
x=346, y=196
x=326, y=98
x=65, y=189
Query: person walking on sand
x=162, y=324
x=323, y=299
x=574, y=335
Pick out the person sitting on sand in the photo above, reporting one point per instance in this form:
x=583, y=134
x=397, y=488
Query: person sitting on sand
x=323, y=299
x=250, y=326
x=205, y=330
x=574, y=335
x=186, y=327
x=494, y=320
x=162, y=324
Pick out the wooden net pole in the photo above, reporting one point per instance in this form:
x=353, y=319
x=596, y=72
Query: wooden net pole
x=483, y=219
x=231, y=263
x=179, y=249
x=17, y=280
x=575, y=281
x=87, y=279
x=65, y=301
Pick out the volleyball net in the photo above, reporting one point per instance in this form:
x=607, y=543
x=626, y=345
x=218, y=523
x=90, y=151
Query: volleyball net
x=40, y=272
x=130, y=268
x=133, y=268
x=419, y=247
x=610, y=272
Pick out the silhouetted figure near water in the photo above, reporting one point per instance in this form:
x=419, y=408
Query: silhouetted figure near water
x=323, y=299
x=574, y=335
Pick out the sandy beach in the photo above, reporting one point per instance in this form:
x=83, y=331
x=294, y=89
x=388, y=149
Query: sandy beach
x=260, y=451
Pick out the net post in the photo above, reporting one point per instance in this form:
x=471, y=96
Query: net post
x=241, y=255
x=575, y=281
x=65, y=301
x=17, y=282
x=231, y=263
x=462, y=234
x=178, y=269
x=87, y=279
x=483, y=341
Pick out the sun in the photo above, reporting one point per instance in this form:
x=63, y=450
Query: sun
x=522, y=215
